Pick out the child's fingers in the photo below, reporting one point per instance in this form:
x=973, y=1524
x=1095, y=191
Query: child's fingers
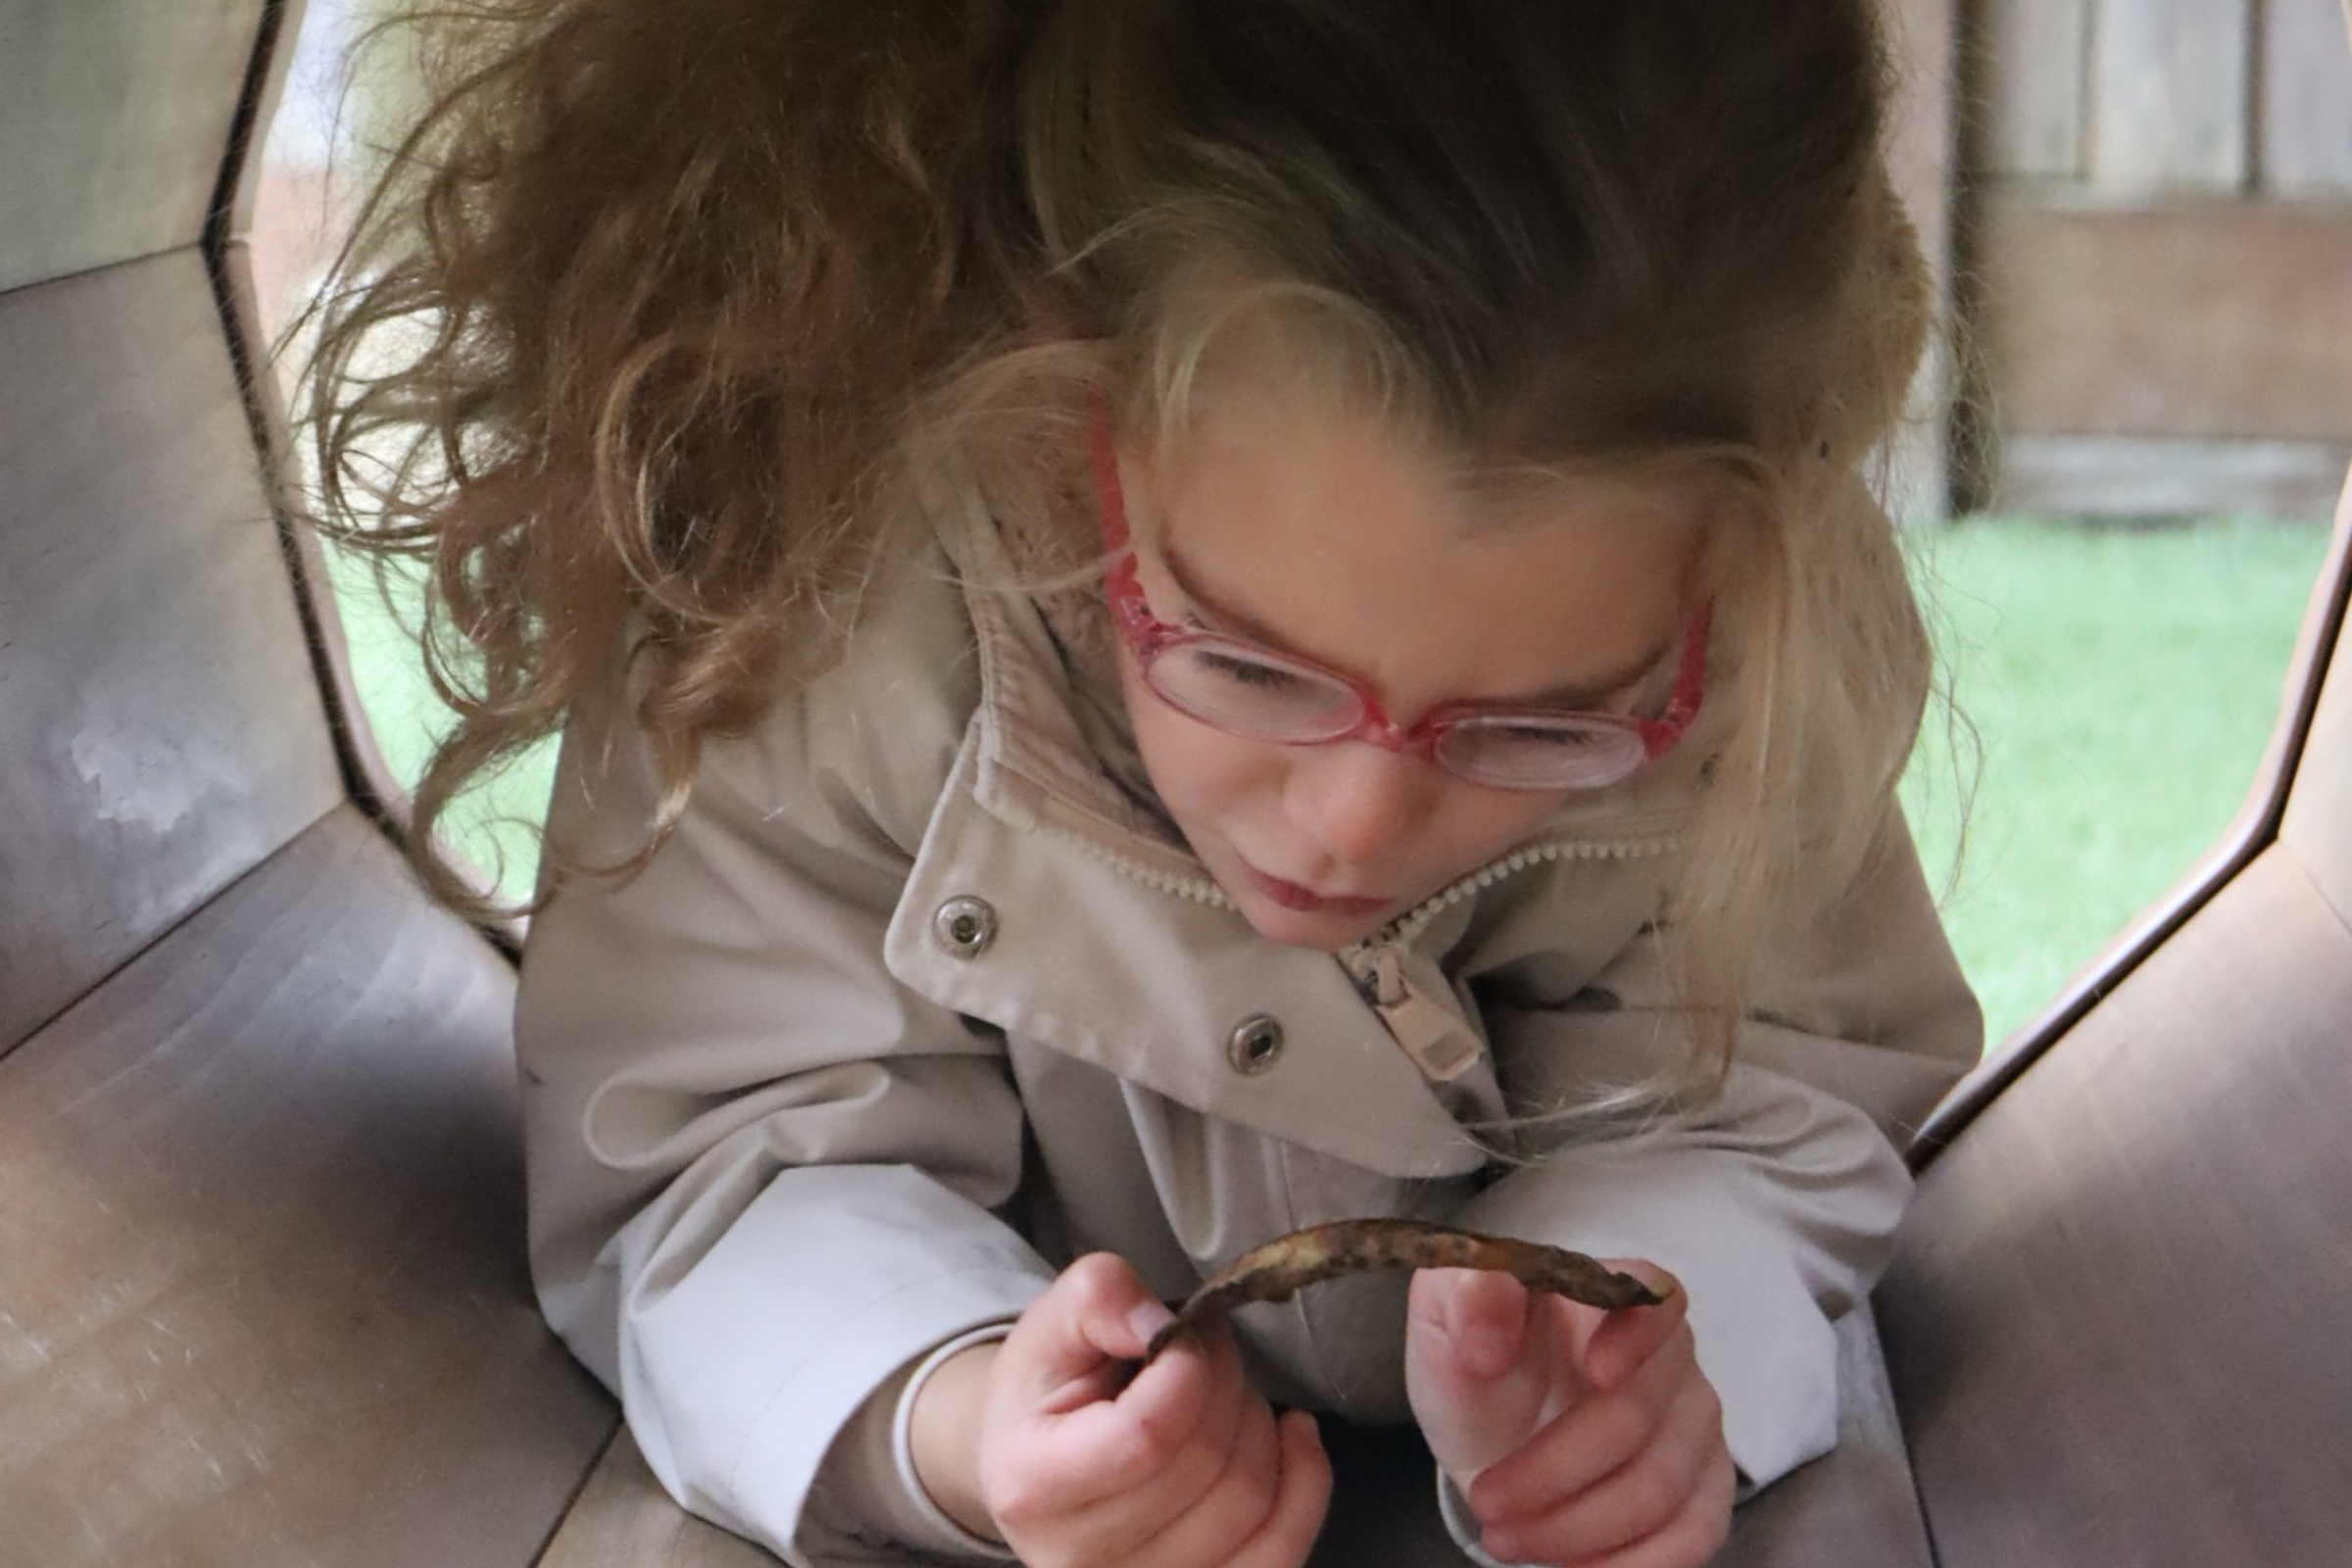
x=1623, y=1340
x=1105, y=1449
x=1483, y=1362
x=1478, y=1317
x=1213, y=1494
x=1593, y=1438
x=1094, y=1315
x=1203, y=1522
x=1613, y=1471
x=1688, y=1535
x=1301, y=1497
x=1190, y=1442
x=1076, y=1430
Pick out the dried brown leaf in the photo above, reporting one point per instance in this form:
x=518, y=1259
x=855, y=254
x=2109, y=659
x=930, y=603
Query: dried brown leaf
x=1282, y=1267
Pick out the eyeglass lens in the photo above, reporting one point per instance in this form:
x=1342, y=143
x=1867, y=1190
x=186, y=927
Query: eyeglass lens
x=1239, y=689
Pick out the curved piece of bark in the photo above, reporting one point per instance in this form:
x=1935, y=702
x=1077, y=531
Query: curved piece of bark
x=1282, y=1267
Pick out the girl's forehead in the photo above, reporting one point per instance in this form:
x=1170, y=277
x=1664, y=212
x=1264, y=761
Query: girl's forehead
x=1335, y=532
x=1301, y=418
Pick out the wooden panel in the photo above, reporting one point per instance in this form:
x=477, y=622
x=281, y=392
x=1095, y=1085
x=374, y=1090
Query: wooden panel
x=161, y=716
x=2114, y=1313
x=623, y=1519
x=2154, y=476
x=2317, y=825
x=2306, y=98
x=116, y=116
x=2169, y=84
x=2190, y=318
x=2028, y=63
x=1853, y=1509
x=262, y=1250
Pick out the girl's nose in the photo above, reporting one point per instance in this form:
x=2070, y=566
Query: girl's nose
x=1358, y=802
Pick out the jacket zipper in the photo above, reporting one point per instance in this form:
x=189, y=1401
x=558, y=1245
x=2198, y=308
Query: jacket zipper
x=1198, y=889
x=1437, y=1040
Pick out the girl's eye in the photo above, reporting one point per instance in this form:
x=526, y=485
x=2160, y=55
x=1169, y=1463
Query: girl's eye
x=1247, y=671
x=1551, y=737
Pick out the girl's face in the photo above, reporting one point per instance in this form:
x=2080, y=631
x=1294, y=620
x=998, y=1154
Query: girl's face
x=1321, y=531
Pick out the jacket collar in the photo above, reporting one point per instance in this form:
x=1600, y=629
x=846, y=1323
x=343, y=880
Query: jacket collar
x=1112, y=944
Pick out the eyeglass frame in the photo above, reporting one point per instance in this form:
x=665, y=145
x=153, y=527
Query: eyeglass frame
x=1148, y=637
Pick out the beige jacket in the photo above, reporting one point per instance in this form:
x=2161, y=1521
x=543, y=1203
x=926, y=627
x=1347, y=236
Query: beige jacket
x=917, y=1004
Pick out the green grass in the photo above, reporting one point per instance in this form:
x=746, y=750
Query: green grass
x=496, y=825
x=2123, y=685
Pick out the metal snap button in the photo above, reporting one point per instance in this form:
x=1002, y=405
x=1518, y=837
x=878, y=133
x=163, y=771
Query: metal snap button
x=1255, y=1043
x=964, y=926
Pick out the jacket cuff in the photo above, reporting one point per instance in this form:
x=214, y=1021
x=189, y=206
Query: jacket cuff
x=740, y=1377
x=779, y=1464
x=1460, y=1523
x=940, y=1532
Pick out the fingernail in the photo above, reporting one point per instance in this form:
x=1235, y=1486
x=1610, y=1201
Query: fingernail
x=1489, y=1351
x=1148, y=1318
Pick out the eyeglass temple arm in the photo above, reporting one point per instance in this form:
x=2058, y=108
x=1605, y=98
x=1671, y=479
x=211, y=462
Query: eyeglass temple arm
x=1110, y=501
x=1689, y=685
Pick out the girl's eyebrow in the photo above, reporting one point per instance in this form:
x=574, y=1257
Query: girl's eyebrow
x=1579, y=695
x=1188, y=579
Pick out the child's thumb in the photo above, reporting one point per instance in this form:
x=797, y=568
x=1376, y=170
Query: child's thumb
x=1477, y=1319
x=1466, y=1369
x=1097, y=1313
x=1628, y=1338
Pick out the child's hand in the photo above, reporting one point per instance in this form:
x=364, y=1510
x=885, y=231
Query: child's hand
x=1183, y=1467
x=1579, y=1438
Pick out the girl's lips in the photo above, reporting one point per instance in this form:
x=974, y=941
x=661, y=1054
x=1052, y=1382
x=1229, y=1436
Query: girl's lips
x=1291, y=896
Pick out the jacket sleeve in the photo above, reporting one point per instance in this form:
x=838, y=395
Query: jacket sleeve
x=1774, y=1200
x=761, y=1172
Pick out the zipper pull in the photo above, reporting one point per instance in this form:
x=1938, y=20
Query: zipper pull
x=1438, y=1042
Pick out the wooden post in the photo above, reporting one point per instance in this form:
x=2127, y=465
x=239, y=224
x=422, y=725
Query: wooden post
x=1922, y=35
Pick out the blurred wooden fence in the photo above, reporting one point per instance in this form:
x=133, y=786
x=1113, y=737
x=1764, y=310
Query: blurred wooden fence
x=2155, y=252
x=2141, y=211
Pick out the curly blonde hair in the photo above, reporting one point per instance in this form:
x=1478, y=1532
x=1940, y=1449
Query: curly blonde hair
x=663, y=311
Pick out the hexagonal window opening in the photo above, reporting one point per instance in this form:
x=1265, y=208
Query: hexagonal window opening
x=2114, y=654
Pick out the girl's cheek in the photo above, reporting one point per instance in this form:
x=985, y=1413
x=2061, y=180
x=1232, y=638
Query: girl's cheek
x=1197, y=769
x=1491, y=821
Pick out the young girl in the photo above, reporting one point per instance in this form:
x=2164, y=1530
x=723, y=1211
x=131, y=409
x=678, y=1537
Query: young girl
x=1176, y=619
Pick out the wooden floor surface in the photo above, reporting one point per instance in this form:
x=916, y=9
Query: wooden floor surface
x=2116, y=1320
x=263, y=1301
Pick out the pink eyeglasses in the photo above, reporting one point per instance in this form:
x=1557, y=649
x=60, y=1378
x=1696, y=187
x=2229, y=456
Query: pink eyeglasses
x=1247, y=689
